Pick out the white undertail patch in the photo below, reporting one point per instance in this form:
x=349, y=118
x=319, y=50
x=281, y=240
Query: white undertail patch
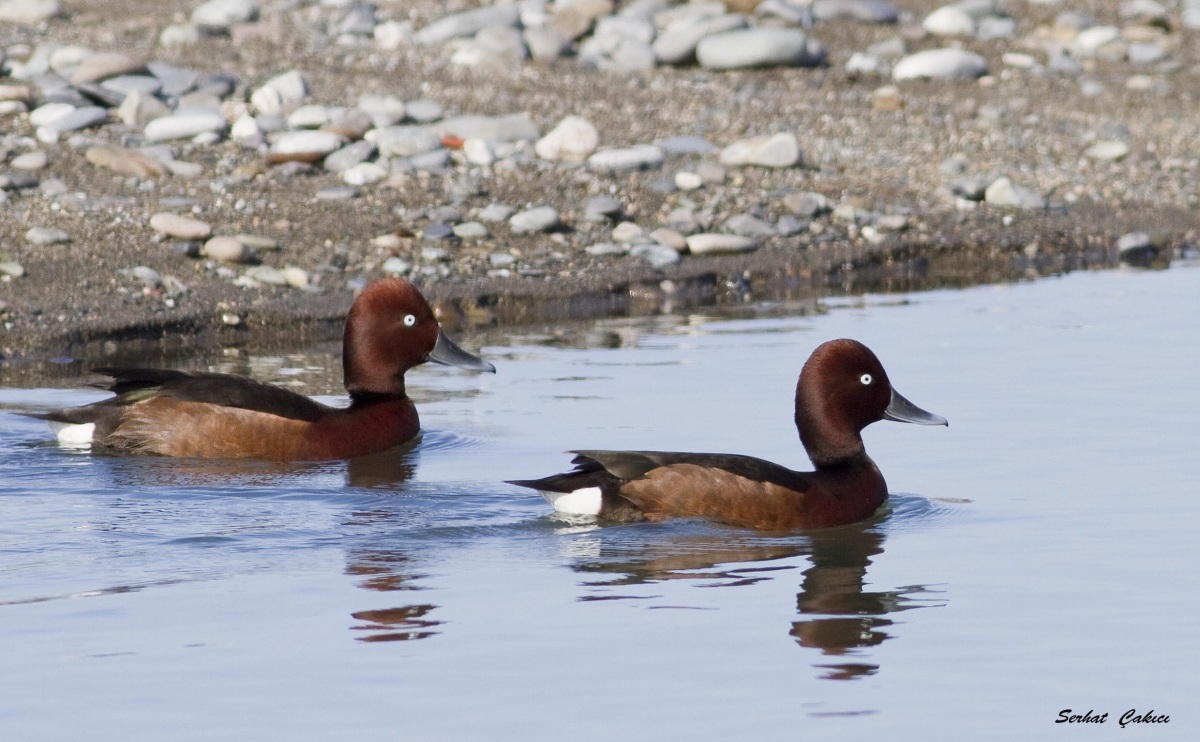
x=584, y=501
x=73, y=434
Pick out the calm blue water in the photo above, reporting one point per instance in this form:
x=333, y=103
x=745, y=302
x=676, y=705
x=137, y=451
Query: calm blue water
x=1037, y=555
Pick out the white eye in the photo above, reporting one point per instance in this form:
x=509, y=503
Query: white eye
x=410, y=320
x=865, y=379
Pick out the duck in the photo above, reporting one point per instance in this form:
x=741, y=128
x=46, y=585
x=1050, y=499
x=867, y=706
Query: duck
x=389, y=329
x=842, y=389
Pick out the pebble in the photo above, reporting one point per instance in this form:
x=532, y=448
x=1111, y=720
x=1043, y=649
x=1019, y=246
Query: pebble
x=946, y=63
x=80, y=118
x=496, y=213
x=396, y=266
x=467, y=23
x=104, y=65
x=145, y=275
x=216, y=16
x=343, y=193
x=49, y=113
x=677, y=45
x=686, y=145
x=777, y=150
x=712, y=243
x=29, y=12
x=1003, y=193
x=759, y=47
x=628, y=232
x=688, y=181
x=12, y=269
x=658, y=256
x=280, y=94
x=35, y=160
x=949, y=20
x=406, y=141
x=1111, y=150
x=470, y=231
x=748, y=225
x=478, y=152
x=606, y=248
x=266, y=274
x=868, y=11
x=305, y=146
x=364, y=173
x=424, y=111
x=537, y=219
x=227, y=250
x=184, y=125
x=510, y=128
x=602, y=209
x=180, y=227
x=670, y=238
x=573, y=139
x=625, y=159
x=46, y=236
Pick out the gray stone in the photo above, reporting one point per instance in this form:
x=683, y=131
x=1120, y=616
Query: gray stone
x=949, y=20
x=1003, y=193
x=384, y=110
x=396, y=266
x=359, y=20
x=748, y=225
x=606, y=248
x=12, y=269
x=424, y=110
x=658, y=256
x=183, y=125
x=470, y=231
x=216, y=16
x=759, y=47
x=406, y=141
x=868, y=11
x=280, y=94
x=125, y=84
x=46, y=114
x=573, y=139
x=993, y=27
x=29, y=12
x=316, y=144
x=686, y=145
x=626, y=159
x=80, y=118
x=101, y=66
x=789, y=225
x=807, y=204
x=537, y=219
x=46, y=236
x=433, y=233
x=1190, y=14
x=946, y=63
x=35, y=160
x=364, y=173
x=545, y=44
x=1090, y=40
x=174, y=80
x=628, y=232
x=677, y=45
x=1112, y=149
x=1145, y=53
x=266, y=274
x=227, y=250
x=778, y=150
x=349, y=156
x=467, y=23
x=496, y=213
x=180, y=227
x=510, y=128
x=435, y=161
x=602, y=208
x=712, y=243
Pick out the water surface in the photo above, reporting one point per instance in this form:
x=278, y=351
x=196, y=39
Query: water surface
x=1036, y=556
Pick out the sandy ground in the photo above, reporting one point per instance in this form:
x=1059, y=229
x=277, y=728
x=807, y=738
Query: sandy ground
x=73, y=301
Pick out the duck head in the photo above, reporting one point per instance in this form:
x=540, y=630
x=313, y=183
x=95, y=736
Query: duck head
x=843, y=389
x=390, y=329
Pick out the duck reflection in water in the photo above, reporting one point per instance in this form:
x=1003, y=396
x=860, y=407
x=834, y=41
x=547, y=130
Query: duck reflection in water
x=387, y=570
x=838, y=616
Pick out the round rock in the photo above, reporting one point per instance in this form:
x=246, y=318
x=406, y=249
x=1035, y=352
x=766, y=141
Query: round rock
x=573, y=140
x=626, y=159
x=226, y=250
x=778, y=150
x=184, y=125
x=46, y=236
x=940, y=64
x=180, y=227
x=538, y=219
x=712, y=243
x=759, y=47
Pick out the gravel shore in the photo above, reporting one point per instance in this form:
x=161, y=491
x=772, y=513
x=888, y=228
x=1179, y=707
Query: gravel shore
x=200, y=171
